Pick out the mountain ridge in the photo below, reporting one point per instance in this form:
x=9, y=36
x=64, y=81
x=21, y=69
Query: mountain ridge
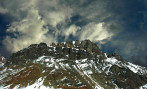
x=71, y=65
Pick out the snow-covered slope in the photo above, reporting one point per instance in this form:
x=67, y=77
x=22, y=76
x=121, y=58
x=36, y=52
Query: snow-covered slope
x=70, y=65
x=134, y=68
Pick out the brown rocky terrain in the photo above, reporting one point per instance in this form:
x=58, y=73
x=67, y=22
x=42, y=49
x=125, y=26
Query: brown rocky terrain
x=70, y=65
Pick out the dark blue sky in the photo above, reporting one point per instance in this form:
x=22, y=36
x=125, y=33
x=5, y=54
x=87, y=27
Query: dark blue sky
x=115, y=25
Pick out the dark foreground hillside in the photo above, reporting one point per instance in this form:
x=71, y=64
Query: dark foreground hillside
x=70, y=65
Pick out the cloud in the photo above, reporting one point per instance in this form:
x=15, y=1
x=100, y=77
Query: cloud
x=3, y=10
x=53, y=11
x=31, y=22
x=98, y=32
x=71, y=30
x=46, y=20
x=28, y=31
x=55, y=17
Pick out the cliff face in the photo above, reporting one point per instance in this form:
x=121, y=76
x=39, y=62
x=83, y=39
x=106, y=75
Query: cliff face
x=70, y=65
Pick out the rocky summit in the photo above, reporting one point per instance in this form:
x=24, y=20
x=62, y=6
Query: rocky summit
x=70, y=65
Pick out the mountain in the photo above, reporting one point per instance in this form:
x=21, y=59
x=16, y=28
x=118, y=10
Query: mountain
x=70, y=65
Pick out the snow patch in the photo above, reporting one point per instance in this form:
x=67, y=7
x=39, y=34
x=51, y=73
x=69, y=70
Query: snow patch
x=137, y=69
x=143, y=87
x=112, y=60
x=40, y=58
x=73, y=42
